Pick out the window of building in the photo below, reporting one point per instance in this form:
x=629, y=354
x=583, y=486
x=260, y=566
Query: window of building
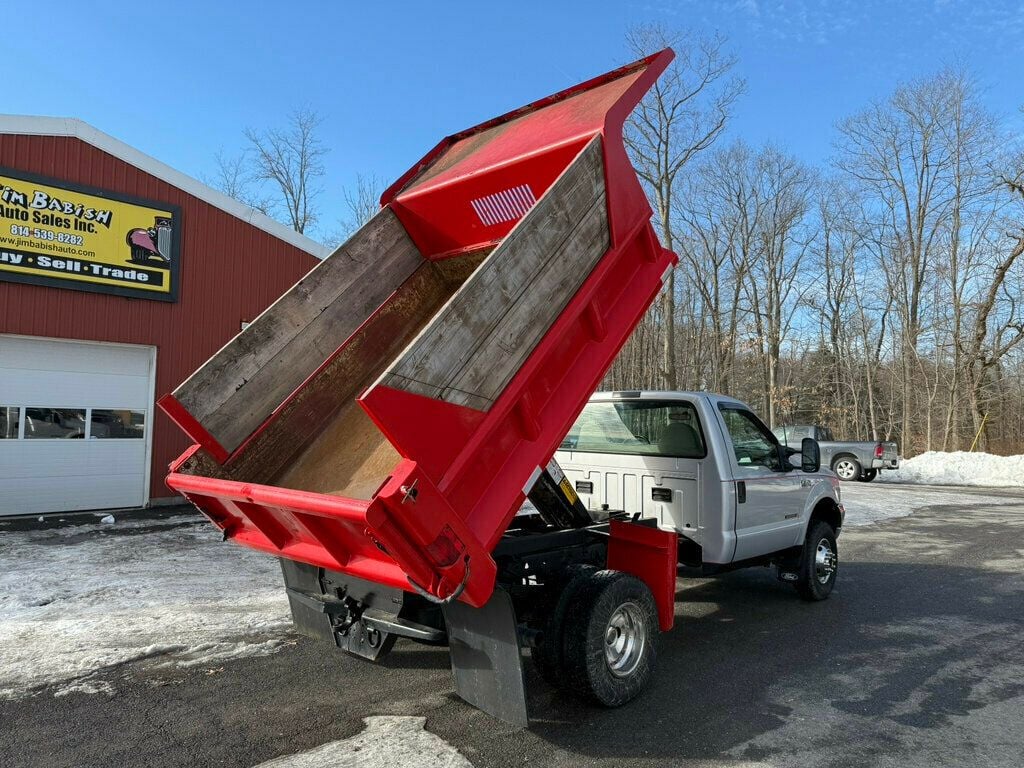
x=54, y=423
x=117, y=424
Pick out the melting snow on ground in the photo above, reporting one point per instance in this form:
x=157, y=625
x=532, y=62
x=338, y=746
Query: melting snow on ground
x=387, y=741
x=867, y=504
x=81, y=599
x=959, y=468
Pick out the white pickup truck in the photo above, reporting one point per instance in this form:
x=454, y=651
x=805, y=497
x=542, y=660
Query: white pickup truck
x=708, y=468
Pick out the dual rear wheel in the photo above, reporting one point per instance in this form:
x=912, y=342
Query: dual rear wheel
x=600, y=642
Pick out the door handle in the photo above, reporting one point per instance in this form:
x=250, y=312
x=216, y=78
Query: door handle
x=741, y=492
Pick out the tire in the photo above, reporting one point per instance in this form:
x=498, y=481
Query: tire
x=610, y=636
x=868, y=475
x=847, y=467
x=548, y=657
x=819, y=562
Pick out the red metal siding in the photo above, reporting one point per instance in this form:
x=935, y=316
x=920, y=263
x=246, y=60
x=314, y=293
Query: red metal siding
x=230, y=271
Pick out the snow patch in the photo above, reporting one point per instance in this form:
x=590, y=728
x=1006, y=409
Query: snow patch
x=85, y=685
x=869, y=503
x=386, y=741
x=83, y=599
x=959, y=468
x=108, y=520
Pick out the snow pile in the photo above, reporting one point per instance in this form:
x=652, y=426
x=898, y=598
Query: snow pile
x=959, y=468
x=81, y=599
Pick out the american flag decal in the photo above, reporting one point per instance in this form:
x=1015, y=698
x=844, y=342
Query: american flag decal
x=507, y=205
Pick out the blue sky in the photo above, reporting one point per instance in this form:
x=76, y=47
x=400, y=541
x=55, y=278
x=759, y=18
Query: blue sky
x=181, y=81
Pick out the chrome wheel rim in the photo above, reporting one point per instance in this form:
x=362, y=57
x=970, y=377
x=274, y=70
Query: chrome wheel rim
x=845, y=469
x=624, y=639
x=825, y=561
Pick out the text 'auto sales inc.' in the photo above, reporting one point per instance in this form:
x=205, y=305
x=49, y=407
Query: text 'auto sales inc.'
x=119, y=276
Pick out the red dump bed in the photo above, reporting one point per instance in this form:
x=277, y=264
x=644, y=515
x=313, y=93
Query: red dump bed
x=386, y=417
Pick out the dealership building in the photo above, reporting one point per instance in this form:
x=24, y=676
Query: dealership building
x=119, y=276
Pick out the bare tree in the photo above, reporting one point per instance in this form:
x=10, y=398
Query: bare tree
x=684, y=113
x=888, y=302
x=361, y=202
x=233, y=176
x=291, y=160
x=908, y=154
x=716, y=227
x=998, y=326
x=776, y=286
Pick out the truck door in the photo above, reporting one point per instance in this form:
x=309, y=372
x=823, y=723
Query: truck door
x=769, y=497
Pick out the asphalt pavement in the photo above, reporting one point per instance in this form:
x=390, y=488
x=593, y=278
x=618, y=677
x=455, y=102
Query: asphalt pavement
x=915, y=660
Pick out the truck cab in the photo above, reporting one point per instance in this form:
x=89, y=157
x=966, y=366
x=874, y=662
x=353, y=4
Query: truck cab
x=706, y=467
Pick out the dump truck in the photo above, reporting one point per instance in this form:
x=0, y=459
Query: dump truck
x=379, y=427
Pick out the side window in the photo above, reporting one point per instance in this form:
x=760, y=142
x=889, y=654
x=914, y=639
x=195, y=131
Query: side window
x=752, y=443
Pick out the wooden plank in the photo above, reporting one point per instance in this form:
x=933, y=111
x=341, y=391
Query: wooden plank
x=521, y=328
x=237, y=389
x=299, y=425
x=451, y=344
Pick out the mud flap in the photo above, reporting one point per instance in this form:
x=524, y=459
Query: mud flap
x=486, y=661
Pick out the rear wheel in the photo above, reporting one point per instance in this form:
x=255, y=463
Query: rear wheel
x=847, y=467
x=549, y=655
x=868, y=475
x=610, y=633
x=819, y=562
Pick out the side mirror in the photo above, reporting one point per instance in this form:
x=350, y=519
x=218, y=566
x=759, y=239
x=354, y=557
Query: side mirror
x=810, y=455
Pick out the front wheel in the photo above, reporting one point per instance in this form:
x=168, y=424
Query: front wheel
x=819, y=562
x=610, y=634
x=847, y=467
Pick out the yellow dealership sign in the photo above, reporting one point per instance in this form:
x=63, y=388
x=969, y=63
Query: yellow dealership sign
x=66, y=236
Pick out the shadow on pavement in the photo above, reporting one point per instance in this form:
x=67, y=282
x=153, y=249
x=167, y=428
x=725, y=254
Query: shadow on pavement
x=913, y=644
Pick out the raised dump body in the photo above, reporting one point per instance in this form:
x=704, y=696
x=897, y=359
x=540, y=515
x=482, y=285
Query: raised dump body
x=386, y=417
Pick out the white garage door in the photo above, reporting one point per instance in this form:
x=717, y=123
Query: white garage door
x=74, y=425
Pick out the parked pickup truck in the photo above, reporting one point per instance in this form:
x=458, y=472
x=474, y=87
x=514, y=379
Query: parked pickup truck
x=851, y=460
x=706, y=467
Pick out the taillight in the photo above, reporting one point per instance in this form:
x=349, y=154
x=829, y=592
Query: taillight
x=879, y=450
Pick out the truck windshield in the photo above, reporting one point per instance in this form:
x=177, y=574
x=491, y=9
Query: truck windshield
x=638, y=427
